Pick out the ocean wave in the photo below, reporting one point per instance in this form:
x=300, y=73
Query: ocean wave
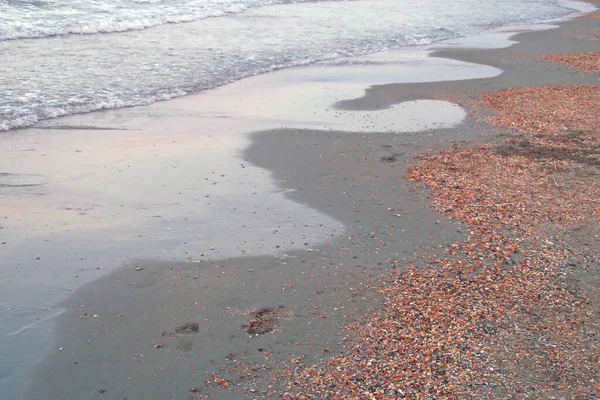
x=30, y=22
x=31, y=117
x=51, y=112
x=23, y=116
x=47, y=80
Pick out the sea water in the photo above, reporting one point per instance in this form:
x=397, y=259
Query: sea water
x=61, y=57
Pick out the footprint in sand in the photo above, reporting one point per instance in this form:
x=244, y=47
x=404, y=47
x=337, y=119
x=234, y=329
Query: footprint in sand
x=184, y=335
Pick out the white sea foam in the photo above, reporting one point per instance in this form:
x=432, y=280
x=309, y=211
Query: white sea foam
x=44, y=113
x=19, y=20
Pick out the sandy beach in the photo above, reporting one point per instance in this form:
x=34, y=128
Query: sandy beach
x=240, y=242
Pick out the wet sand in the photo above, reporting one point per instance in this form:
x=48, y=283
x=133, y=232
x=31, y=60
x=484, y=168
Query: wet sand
x=332, y=175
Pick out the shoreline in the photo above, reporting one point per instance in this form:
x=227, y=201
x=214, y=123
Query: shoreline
x=302, y=176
